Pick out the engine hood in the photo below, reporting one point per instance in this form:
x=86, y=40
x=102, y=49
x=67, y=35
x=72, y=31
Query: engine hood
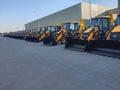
x=88, y=30
x=116, y=29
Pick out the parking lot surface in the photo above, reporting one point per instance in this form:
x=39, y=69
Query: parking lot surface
x=31, y=66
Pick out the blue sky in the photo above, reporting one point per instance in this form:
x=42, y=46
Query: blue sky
x=15, y=13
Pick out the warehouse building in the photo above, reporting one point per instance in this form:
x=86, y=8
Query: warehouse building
x=115, y=10
x=74, y=13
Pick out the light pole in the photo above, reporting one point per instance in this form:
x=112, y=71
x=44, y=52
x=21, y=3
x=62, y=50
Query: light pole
x=38, y=24
x=90, y=10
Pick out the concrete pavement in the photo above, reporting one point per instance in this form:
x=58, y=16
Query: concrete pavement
x=32, y=66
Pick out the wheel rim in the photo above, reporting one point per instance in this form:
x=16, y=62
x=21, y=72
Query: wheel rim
x=63, y=41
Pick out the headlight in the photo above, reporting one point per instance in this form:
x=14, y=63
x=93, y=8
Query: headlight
x=56, y=35
x=114, y=36
x=85, y=35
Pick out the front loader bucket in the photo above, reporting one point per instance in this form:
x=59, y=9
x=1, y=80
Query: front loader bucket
x=19, y=37
x=76, y=44
x=105, y=47
x=37, y=39
x=29, y=38
x=49, y=41
x=33, y=39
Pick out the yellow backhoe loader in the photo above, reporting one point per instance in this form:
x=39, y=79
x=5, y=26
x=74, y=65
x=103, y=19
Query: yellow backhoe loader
x=67, y=29
x=37, y=34
x=42, y=34
x=29, y=33
x=98, y=28
x=49, y=30
x=111, y=45
x=34, y=35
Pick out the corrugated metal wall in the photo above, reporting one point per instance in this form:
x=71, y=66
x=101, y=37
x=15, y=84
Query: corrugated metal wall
x=96, y=10
x=73, y=13
x=68, y=14
x=115, y=10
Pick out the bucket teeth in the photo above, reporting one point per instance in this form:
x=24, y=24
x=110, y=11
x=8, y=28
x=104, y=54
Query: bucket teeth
x=105, y=47
x=76, y=44
x=49, y=41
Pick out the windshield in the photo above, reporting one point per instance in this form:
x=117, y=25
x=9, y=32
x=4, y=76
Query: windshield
x=43, y=29
x=71, y=26
x=94, y=22
x=104, y=23
x=33, y=31
x=117, y=21
x=51, y=28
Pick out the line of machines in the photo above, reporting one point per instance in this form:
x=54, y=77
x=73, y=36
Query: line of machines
x=101, y=37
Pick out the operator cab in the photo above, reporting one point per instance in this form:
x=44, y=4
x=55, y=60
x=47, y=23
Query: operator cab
x=52, y=28
x=104, y=25
x=117, y=20
x=34, y=31
x=115, y=33
x=94, y=22
x=44, y=29
x=71, y=26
